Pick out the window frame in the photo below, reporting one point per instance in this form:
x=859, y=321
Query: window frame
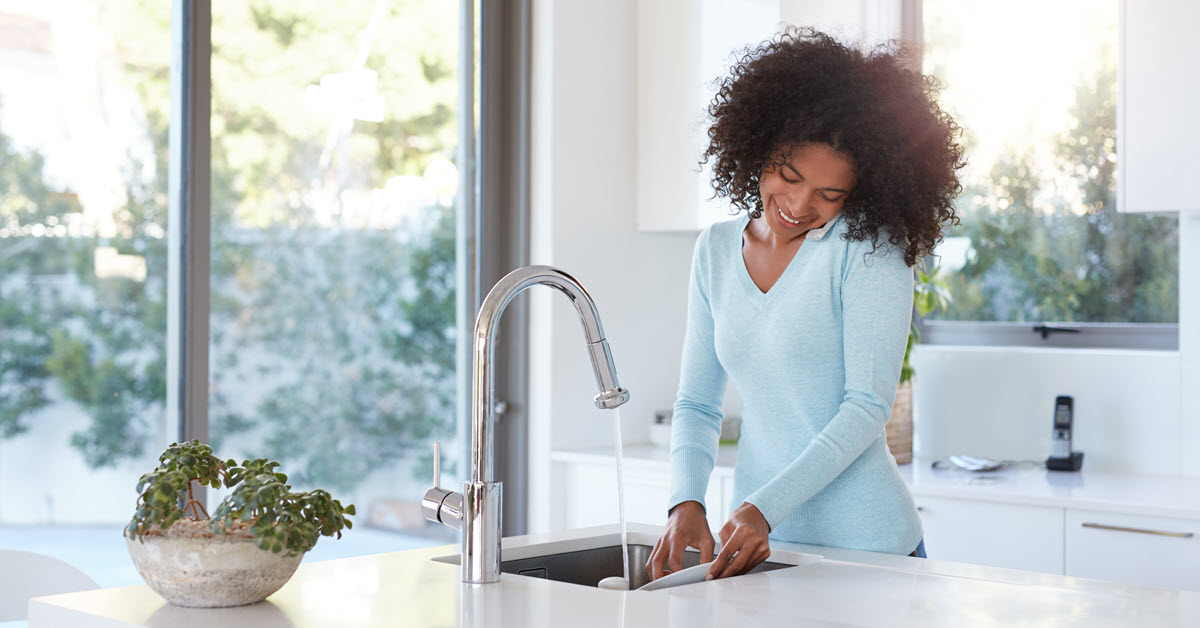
x=1138, y=336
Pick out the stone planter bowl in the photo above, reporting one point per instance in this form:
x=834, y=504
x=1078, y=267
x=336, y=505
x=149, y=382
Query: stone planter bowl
x=209, y=572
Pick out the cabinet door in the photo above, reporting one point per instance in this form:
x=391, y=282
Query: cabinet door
x=1157, y=127
x=1135, y=549
x=996, y=535
x=646, y=501
x=590, y=494
x=682, y=47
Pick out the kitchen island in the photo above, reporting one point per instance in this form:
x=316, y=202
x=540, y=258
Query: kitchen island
x=844, y=588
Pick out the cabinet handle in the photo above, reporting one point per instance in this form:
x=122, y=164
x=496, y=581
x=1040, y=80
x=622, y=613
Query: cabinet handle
x=1101, y=526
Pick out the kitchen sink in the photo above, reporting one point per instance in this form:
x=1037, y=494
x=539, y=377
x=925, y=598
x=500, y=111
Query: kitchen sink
x=588, y=567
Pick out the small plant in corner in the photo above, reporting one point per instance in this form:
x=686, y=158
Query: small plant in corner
x=282, y=524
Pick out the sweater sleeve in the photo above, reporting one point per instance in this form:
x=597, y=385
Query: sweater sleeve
x=696, y=423
x=877, y=298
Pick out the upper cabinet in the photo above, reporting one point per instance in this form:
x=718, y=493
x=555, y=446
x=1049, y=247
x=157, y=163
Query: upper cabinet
x=1158, y=100
x=684, y=47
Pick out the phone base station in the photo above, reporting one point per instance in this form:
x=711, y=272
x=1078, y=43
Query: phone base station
x=1074, y=463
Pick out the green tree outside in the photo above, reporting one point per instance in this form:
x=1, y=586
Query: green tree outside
x=1071, y=258
x=344, y=332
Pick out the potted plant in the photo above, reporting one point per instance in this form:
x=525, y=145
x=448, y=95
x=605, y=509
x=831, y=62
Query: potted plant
x=246, y=550
x=929, y=294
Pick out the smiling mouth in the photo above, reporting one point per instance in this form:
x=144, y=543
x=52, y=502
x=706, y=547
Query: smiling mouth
x=789, y=220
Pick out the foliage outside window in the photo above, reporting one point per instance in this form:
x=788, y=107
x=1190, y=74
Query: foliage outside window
x=333, y=259
x=1034, y=85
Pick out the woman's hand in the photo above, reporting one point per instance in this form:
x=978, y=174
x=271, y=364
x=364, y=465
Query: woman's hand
x=743, y=543
x=687, y=526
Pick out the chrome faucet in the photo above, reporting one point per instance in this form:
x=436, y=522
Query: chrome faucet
x=476, y=511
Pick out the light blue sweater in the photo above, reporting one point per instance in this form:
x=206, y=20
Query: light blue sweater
x=816, y=360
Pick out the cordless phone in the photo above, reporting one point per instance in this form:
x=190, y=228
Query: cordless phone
x=1062, y=458
x=1060, y=439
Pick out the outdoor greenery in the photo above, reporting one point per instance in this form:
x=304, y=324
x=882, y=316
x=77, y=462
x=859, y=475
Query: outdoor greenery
x=279, y=519
x=1050, y=245
x=332, y=337
x=929, y=294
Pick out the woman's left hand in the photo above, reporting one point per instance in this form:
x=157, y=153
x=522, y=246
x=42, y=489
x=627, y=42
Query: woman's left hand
x=743, y=543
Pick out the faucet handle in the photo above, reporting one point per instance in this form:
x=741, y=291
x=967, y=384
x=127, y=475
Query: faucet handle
x=437, y=464
x=440, y=504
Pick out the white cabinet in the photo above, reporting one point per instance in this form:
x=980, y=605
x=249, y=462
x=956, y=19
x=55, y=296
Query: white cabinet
x=1157, y=126
x=994, y=534
x=588, y=493
x=1136, y=549
x=682, y=47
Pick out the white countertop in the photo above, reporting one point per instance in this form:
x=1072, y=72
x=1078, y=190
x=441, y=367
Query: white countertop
x=1159, y=495
x=846, y=588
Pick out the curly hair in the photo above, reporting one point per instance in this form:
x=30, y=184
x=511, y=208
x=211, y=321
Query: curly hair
x=803, y=86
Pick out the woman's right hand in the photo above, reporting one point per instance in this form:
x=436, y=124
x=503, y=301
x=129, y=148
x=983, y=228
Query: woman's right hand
x=687, y=526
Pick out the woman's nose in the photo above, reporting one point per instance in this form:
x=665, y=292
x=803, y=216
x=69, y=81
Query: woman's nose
x=799, y=200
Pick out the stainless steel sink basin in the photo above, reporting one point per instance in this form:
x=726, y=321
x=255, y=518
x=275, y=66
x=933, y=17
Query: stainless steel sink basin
x=588, y=567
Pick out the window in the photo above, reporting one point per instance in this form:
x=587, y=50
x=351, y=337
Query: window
x=332, y=327
x=1041, y=243
x=83, y=274
x=338, y=239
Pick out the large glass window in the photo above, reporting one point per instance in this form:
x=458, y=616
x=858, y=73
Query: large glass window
x=333, y=261
x=1034, y=85
x=333, y=250
x=83, y=273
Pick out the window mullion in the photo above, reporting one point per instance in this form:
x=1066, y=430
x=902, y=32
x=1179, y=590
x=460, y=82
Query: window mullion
x=188, y=222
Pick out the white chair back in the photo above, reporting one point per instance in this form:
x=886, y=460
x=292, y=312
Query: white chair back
x=25, y=575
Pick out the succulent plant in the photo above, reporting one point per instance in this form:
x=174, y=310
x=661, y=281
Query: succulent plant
x=280, y=520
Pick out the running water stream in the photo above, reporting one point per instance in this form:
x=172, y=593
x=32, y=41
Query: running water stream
x=621, y=493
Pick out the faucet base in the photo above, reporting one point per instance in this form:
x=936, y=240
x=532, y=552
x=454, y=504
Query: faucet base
x=481, y=532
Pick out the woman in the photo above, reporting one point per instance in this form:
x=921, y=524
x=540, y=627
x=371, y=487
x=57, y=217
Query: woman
x=846, y=168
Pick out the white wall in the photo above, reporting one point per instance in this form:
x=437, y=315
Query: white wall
x=998, y=402
x=584, y=149
x=1136, y=411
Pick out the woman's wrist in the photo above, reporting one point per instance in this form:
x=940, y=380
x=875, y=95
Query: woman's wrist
x=688, y=505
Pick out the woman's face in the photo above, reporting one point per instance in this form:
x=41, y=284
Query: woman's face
x=807, y=191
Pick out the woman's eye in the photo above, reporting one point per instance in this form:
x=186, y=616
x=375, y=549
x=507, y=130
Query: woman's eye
x=785, y=178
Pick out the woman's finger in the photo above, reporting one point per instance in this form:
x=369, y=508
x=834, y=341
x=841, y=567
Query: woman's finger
x=675, y=558
x=658, y=559
x=726, y=531
x=706, y=549
x=723, y=557
x=738, y=560
x=756, y=559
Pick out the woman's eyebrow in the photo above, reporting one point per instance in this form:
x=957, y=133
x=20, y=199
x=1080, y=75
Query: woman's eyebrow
x=797, y=173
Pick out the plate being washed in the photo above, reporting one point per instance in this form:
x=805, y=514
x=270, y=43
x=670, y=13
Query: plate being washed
x=695, y=574
x=691, y=575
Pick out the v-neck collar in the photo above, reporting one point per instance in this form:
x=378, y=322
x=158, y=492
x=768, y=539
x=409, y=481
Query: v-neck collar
x=814, y=235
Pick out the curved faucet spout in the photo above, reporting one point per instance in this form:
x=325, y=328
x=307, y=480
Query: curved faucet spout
x=483, y=403
x=476, y=511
